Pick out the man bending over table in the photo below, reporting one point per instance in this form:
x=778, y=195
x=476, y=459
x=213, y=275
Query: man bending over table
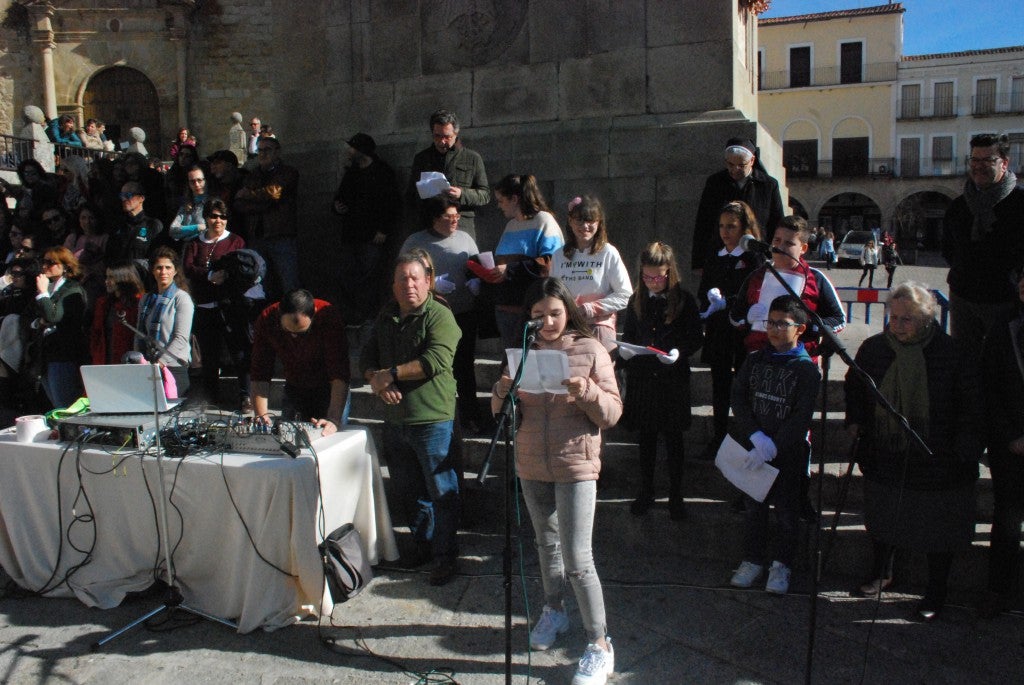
x=308, y=336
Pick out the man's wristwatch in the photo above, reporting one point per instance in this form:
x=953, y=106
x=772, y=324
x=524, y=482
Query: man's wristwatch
x=394, y=373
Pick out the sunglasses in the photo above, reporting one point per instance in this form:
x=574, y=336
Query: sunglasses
x=49, y=262
x=218, y=217
x=127, y=196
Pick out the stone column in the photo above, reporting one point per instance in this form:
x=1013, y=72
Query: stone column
x=177, y=36
x=42, y=35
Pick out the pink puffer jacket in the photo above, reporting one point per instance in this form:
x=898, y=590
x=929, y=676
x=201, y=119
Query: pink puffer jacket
x=559, y=440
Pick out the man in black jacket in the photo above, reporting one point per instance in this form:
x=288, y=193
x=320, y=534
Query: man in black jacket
x=983, y=241
x=745, y=179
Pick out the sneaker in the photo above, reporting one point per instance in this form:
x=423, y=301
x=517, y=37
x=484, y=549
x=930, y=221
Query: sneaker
x=778, y=579
x=595, y=666
x=552, y=623
x=746, y=575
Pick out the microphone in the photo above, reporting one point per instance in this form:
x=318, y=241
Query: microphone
x=534, y=325
x=751, y=244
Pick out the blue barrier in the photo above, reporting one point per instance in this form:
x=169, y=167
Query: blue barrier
x=850, y=296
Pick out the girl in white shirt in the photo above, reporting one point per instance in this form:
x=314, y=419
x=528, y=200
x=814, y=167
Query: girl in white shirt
x=592, y=269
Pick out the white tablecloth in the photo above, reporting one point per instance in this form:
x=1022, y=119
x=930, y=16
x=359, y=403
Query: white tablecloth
x=217, y=566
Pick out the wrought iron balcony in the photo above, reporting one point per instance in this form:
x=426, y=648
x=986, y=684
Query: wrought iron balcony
x=927, y=108
x=994, y=104
x=875, y=72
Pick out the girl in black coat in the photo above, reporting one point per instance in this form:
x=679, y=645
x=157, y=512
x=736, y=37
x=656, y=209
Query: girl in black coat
x=661, y=315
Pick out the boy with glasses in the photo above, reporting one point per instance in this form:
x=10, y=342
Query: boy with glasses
x=773, y=403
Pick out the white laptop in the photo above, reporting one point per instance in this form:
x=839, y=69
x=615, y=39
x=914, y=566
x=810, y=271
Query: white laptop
x=123, y=389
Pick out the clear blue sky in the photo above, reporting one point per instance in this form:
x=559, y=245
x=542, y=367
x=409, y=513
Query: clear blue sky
x=935, y=25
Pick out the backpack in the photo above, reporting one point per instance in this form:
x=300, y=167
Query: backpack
x=345, y=567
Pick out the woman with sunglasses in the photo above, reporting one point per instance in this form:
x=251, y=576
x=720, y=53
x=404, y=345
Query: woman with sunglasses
x=59, y=315
x=661, y=315
x=213, y=318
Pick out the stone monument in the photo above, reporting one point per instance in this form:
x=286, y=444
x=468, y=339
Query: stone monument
x=35, y=130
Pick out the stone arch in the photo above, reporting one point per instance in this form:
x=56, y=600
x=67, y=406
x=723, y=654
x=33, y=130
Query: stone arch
x=851, y=127
x=797, y=207
x=801, y=129
x=850, y=210
x=918, y=217
x=122, y=97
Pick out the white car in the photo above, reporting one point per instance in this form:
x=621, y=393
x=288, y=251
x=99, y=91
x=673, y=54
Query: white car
x=852, y=246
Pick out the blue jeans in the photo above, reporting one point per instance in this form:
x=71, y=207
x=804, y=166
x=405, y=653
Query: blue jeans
x=62, y=383
x=563, y=521
x=424, y=484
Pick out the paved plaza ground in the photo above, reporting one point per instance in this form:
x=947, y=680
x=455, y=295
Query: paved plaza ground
x=671, y=614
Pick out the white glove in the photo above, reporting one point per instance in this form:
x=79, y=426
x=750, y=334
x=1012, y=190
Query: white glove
x=670, y=357
x=625, y=353
x=473, y=285
x=443, y=285
x=764, y=446
x=716, y=303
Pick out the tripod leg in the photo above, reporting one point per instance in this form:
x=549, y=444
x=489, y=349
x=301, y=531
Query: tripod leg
x=99, y=644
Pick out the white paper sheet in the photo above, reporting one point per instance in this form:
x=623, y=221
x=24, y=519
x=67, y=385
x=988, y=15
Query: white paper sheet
x=544, y=372
x=770, y=289
x=431, y=184
x=731, y=461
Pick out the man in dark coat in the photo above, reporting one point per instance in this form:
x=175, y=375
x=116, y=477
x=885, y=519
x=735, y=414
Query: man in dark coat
x=983, y=241
x=743, y=178
x=463, y=168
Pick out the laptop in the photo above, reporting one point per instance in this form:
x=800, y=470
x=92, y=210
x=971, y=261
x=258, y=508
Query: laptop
x=123, y=389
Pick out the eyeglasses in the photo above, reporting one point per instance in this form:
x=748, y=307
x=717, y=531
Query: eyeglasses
x=197, y=180
x=984, y=161
x=218, y=217
x=772, y=324
x=49, y=262
x=653, y=279
x=451, y=217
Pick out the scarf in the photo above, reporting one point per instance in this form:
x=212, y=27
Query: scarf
x=982, y=201
x=905, y=385
x=152, y=313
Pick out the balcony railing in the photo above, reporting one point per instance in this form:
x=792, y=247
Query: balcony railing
x=927, y=108
x=14, y=149
x=929, y=167
x=876, y=167
x=997, y=103
x=826, y=76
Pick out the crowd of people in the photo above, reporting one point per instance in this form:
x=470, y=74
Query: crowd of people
x=88, y=252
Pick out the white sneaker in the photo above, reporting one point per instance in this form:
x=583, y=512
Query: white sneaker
x=778, y=579
x=596, y=665
x=552, y=623
x=746, y=575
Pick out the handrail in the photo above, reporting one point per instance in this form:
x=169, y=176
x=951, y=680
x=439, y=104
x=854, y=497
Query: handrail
x=14, y=150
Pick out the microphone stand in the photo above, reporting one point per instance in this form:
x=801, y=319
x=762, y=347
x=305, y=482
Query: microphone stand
x=832, y=340
x=173, y=600
x=507, y=424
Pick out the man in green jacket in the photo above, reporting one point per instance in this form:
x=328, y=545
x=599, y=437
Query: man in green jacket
x=463, y=168
x=408, y=363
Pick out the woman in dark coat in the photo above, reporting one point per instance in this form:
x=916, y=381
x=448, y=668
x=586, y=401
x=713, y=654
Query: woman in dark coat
x=59, y=311
x=914, y=501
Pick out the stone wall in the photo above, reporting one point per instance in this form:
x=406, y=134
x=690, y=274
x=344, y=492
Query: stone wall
x=628, y=99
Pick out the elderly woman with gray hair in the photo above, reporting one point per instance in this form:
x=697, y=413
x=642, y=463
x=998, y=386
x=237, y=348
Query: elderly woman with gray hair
x=915, y=501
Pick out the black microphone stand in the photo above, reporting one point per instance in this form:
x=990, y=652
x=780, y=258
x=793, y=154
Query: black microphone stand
x=173, y=600
x=833, y=342
x=506, y=419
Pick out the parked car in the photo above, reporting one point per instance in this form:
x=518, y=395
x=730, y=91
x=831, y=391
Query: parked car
x=852, y=246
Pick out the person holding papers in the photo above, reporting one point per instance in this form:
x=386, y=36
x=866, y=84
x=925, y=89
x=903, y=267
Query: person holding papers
x=773, y=403
x=558, y=449
x=662, y=317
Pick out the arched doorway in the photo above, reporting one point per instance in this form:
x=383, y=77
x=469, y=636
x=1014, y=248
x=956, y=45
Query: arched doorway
x=850, y=212
x=797, y=207
x=123, y=97
x=918, y=219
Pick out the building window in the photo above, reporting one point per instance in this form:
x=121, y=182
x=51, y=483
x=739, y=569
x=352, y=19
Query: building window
x=800, y=157
x=942, y=156
x=850, y=157
x=910, y=101
x=910, y=157
x=1017, y=94
x=799, y=67
x=985, y=96
x=759, y=68
x=851, y=57
x=944, y=104
x=1017, y=153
